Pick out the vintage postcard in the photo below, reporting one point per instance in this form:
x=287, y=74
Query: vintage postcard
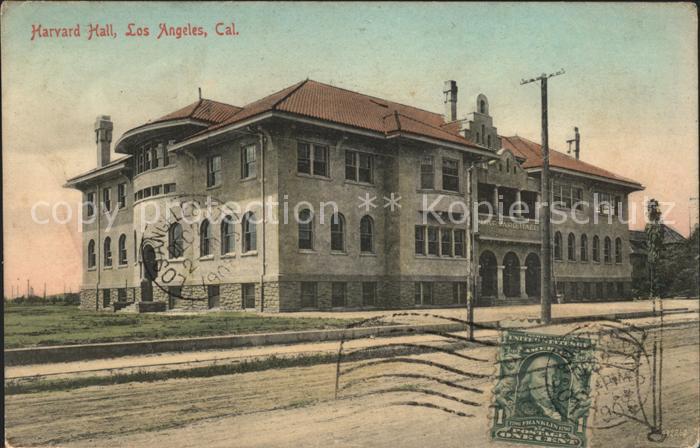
x=350, y=224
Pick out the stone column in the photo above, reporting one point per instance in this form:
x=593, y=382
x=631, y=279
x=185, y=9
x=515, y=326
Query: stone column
x=523, y=291
x=495, y=200
x=499, y=283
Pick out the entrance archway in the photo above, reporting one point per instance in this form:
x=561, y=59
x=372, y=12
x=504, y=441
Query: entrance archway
x=150, y=272
x=532, y=275
x=487, y=271
x=511, y=275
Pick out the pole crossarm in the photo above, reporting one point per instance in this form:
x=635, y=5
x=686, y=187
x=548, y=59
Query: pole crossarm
x=541, y=77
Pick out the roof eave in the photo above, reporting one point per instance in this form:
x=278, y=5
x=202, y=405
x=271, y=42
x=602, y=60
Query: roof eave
x=114, y=168
x=631, y=185
x=149, y=127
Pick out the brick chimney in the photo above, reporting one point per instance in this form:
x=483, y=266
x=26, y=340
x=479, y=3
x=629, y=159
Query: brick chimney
x=450, y=91
x=103, y=138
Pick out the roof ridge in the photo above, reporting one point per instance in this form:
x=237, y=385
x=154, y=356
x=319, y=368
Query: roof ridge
x=221, y=102
x=374, y=97
x=426, y=124
x=292, y=91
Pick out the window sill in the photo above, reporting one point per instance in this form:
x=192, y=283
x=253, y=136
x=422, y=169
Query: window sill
x=367, y=254
x=359, y=184
x=338, y=252
x=307, y=251
x=123, y=266
x=214, y=187
x=314, y=176
x=252, y=253
x=248, y=179
x=91, y=269
x=228, y=255
x=206, y=257
x=107, y=268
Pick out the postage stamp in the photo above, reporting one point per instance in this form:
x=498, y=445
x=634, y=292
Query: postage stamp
x=542, y=394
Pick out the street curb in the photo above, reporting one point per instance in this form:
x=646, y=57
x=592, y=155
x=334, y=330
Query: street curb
x=82, y=352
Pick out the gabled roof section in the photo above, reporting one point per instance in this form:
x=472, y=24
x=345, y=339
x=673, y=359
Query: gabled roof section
x=324, y=102
x=532, y=153
x=206, y=110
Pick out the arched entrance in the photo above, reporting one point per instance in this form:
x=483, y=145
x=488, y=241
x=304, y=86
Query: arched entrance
x=532, y=275
x=511, y=275
x=150, y=272
x=487, y=272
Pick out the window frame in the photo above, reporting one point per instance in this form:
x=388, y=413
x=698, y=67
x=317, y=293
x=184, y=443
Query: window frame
x=205, y=238
x=249, y=167
x=364, y=235
x=121, y=195
x=338, y=232
x=107, y=252
x=356, y=159
x=123, y=259
x=334, y=296
x=228, y=232
x=214, y=168
x=312, y=159
x=571, y=247
x=423, y=172
x=90, y=203
x=250, y=233
x=595, y=249
x=305, y=230
x=583, y=248
x=447, y=160
x=175, y=241
x=369, y=287
x=312, y=292
x=91, y=255
x=618, y=250
x=558, y=249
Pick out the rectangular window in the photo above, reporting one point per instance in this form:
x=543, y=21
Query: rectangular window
x=139, y=158
x=459, y=243
x=359, y=166
x=156, y=160
x=420, y=240
x=369, y=293
x=107, y=199
x=578, y=199
x=459, y=293
x=146, y=159
x=450, y=175
x=213, y=296
x=248, y=167
x=446, y=242
x=155, y=190
x=213, y=171
x=320, y=160
x=605, y=205
x=105, y=298
x=169, y=188
x=617, y=200
x=248, y=296
x=308, y=295
x=427, y=173
x=90, y=204
x=147, y=192
x=304, y=158
x=164, y=153
x=139, y=195
x=338, y=294
x=121, y=195
x=424, y=293
x=433, y=242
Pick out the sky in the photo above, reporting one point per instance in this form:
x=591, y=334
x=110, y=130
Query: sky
x=630, y=86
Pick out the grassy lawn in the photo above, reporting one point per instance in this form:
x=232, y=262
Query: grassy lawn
x=33, y=325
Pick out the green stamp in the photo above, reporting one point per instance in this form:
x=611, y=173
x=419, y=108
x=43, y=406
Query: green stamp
x=543, y=392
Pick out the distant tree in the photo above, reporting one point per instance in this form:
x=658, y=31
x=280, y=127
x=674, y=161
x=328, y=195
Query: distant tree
x=678, y=268
x=655, y=244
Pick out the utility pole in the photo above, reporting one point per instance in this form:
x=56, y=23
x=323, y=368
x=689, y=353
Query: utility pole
x=545, y=216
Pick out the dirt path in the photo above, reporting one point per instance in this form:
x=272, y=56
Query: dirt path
x=295, y=407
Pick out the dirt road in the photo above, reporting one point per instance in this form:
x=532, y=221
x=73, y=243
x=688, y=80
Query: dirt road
x=296, y=407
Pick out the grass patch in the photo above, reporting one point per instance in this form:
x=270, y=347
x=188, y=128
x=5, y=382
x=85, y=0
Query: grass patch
x=41, y=325
x=32, y=386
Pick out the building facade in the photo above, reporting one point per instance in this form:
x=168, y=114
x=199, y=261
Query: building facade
x=316, y=197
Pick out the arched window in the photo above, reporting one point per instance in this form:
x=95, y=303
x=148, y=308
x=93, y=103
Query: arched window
x=488, y=141
x=584, y=247
x=618, y=250
x=122, y=249
x=175, y=241
x=571, y=247
x=249, y=233
x=306, y=229
x=108, y=252
x=557, y=246
x=204, y=238
x=366, y=234
x=482, y=106
x=91, y=259
x=227, y=236
x=596, y=248
x=607, y=250
x=507, y=165
x=338, y=232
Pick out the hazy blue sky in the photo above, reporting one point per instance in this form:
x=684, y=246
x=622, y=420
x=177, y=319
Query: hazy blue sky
x=630, y=86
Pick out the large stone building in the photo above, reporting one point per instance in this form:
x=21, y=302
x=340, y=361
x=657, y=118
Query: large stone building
x=316, y=197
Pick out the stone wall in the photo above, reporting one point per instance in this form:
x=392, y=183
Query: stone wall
x=88, y=299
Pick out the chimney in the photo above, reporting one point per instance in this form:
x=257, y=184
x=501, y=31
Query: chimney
x=450, y=91
x=103, y=138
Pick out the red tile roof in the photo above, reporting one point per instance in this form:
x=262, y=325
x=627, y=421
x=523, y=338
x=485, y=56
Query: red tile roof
x=206, y=110
x=329, y=103
x=532, y=153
